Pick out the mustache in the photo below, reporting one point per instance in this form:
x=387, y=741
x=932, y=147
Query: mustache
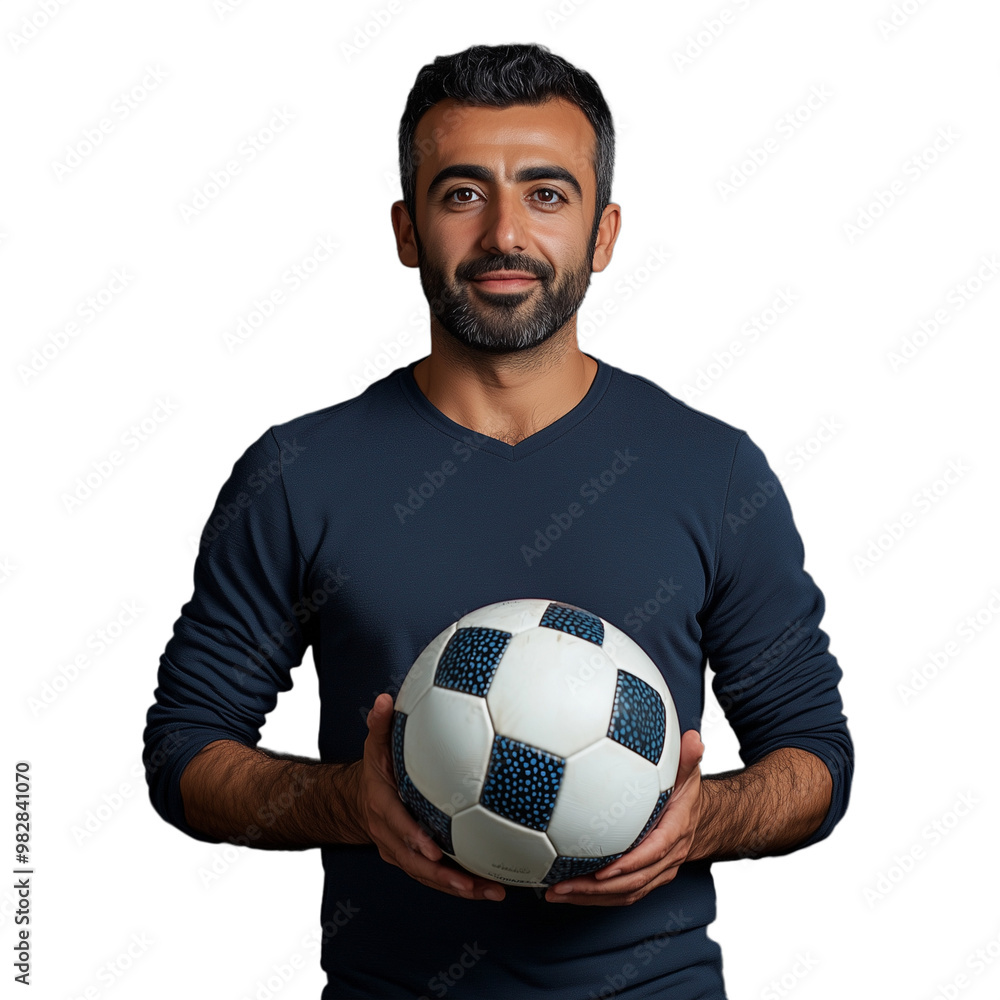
x=505, y=262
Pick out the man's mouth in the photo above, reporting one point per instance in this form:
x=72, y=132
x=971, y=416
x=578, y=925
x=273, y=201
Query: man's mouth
x=504, y=281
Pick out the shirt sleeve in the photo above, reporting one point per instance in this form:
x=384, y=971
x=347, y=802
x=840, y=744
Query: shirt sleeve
x=774, y=675
x=237, y=639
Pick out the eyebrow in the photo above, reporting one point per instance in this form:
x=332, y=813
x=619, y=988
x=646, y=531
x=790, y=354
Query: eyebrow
x=480, y=173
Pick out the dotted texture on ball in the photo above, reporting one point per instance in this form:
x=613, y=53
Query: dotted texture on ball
x=470, y=659
x=564, y=867
x=522, y=783
x=661, y=804
x=398, y=729
x=438, y=824
x=576, y=622
x=638, y=718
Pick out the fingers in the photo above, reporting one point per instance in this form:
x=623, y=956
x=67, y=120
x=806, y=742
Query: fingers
x=380, y=714
x=426, y=863
x=378, y=744
x=624, y=892
x=400, y=839
x=622, y=888
x=692, y=750
x=439, y=876
x=403, y=842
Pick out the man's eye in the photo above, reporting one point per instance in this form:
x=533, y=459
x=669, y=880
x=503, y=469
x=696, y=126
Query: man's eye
x=468, y=196
x=462, y=191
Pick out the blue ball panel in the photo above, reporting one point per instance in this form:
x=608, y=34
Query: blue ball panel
x=564, y=867
x=661, y=804
x=470, y=659
x=638, y=718
x=575, y=621
x=437, y=823
x=522, y=783
x=398, y=729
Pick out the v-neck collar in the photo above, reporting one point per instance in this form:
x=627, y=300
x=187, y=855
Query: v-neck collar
x=512, y=452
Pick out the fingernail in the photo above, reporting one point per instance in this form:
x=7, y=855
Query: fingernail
x=612, y=873
x=496, y=894
x=457, y=884
x=562, y=889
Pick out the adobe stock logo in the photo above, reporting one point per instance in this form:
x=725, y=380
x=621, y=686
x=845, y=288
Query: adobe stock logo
x=591, y=491
x=751, y=504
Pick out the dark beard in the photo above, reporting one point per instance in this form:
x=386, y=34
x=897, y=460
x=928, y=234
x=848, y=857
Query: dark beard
x=495, y=322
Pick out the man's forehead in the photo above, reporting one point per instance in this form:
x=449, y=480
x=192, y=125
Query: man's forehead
x=451, y=131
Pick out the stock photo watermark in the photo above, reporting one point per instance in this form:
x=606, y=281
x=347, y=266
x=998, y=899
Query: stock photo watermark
x=122, y=107
x=96, y=642
x=653, y=605
x=939, y=659
x=440, y=984
x=369, y=30
x=228, y=513
x=88, y=309
x=897, y=528
x=272, y=982
x=130, y=441
x=591, y=491
x=711, y=30
x=593, y=319
x=801, y=454
x=111, y=803
x=955, y=300
x=723, y=361
x=435, y=479
x=898, y=16
x=31, y=25
x=302, y=611
x=757, y=154
x=250, y=147
x=781, y=986
x=977, y=961
x=291, y=280
x=932, y=835
x=913, y=168
x=111, y=971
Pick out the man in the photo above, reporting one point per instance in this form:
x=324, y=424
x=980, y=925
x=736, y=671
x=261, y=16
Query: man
x=433, y=492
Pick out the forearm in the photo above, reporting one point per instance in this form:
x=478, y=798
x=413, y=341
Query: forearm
x=772, y=804
x=249, y=797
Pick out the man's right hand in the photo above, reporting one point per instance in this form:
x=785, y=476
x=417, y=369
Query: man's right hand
x=397, y=835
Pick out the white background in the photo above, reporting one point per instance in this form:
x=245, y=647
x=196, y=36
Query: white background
x=887, y=906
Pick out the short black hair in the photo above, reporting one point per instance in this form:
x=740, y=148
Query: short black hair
x=500, y=76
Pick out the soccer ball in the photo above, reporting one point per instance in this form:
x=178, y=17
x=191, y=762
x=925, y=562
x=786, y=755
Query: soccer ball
x=534, y=741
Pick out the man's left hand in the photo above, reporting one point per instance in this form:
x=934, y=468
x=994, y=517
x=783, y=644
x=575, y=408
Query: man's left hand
x=656, y=860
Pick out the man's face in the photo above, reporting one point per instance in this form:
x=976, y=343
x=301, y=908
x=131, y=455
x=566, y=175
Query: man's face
x=505, y=209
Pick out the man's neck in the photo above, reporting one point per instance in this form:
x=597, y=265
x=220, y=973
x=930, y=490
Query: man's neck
x=505, y=396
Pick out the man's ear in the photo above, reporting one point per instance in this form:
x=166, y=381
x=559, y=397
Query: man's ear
x=607, y=234
x=406, y=244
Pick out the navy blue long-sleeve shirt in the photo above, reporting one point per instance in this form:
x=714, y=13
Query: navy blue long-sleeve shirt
x=363, y=529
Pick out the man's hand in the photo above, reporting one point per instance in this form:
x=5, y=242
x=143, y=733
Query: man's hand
x=397, y=835
x=656, y=860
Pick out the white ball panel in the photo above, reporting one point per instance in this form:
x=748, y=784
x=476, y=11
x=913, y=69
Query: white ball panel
x=506, y=616
x=606, y=796
x=500, y=849
x=446, y=749
x=553, y=691
x=421, y=675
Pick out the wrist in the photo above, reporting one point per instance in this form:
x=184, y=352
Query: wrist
x=353, y=802
x=703, y=844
